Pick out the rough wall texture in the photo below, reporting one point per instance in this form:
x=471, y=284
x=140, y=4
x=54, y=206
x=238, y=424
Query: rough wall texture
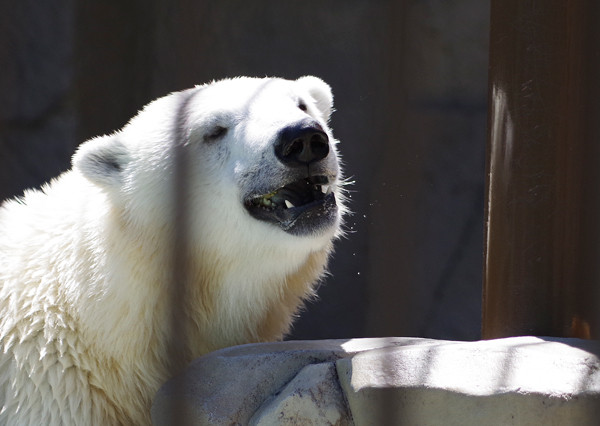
x=410, y=84
x=36, y=113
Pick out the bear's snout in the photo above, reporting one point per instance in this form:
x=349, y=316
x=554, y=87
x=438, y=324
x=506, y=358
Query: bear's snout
x=302, y=143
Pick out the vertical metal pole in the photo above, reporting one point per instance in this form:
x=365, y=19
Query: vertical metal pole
x=179, y=347
x=542, y=260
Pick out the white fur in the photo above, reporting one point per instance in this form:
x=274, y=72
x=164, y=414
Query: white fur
x=86, y=263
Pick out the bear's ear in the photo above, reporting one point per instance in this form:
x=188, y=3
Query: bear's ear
x=320, y=92
x=102, y=160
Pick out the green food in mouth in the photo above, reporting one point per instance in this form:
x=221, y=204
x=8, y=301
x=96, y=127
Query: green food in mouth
x=292, y=195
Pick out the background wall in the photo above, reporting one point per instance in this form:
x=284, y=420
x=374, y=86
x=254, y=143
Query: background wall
x=409, y=79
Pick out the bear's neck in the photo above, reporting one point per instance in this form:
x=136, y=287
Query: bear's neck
x=240, y=303
x=213, y=299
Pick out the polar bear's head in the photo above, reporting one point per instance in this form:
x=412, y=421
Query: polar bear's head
x=255, y=157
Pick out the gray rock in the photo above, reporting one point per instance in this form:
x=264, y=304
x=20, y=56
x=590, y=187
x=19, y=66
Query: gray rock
x=313, y=397
x=228, y=386
x=515, y=381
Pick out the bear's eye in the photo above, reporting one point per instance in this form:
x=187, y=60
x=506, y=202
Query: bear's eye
x=302, y=106
x=216, y=133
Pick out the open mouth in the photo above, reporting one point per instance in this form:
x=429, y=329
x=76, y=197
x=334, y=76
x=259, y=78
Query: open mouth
x=300, y=207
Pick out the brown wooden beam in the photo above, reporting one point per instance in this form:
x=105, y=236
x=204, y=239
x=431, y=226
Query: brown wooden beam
x=542, y=260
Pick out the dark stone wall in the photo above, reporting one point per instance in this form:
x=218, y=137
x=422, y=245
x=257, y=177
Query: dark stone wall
x=36, y=112
x=409, y=80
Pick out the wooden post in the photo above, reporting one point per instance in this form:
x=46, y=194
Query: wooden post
x=542, y=254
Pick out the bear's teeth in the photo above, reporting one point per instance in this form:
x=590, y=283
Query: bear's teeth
x=324, y=189
x=288, y=204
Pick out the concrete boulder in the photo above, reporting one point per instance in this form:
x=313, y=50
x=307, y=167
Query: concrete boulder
x=514, y=381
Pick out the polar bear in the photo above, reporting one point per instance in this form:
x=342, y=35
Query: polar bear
x=233, y=187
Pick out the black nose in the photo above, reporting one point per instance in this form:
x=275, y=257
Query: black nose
x=302, y=144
